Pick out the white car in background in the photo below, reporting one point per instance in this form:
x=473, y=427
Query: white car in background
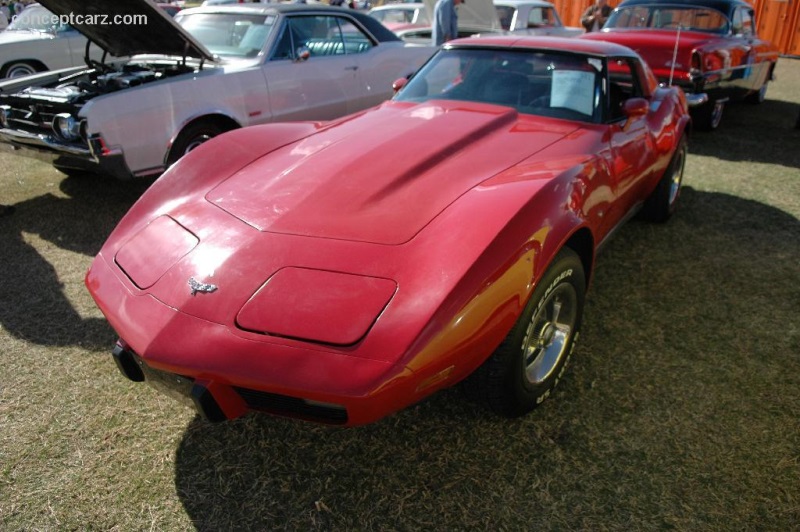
x=401, y=16
x=483, y=17
x=33, y=43
x=188, y=79
x=532, y=17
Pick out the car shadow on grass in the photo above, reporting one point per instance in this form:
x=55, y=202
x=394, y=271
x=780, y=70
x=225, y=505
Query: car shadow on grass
x=40, y=287
x=651, y=427
x=762, y=133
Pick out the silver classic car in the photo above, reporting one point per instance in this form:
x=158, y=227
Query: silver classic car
x=188, y=79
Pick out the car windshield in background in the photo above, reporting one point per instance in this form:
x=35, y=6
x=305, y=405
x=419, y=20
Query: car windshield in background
x=400, y=16
x=538, y=17
x=669, y=17
x=551, y=84
x=232, y=35
x=35, y=18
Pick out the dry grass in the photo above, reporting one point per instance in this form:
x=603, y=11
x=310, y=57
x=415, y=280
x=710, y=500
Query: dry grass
x=680, y=410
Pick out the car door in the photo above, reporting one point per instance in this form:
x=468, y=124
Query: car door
x=74, y=44
x=309, y=74
x=632, y=147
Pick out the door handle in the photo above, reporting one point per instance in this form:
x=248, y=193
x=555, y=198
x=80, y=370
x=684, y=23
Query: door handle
x=354, y=67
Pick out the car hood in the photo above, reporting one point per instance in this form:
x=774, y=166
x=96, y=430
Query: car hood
x=112, y=27
x=472, y=14
x=382, y=177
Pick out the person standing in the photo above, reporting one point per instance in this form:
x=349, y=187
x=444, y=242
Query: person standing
x=445, y=21
x=596, y=15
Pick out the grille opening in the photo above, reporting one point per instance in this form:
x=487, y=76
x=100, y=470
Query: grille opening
x=292, y=406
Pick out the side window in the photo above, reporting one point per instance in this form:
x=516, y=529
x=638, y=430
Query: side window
x=743, y=22
x=322, y=35
x=623, y=83
x=355, y=40
x=284, y=48
x=539, y=17
x=748, y=28
x=506, y=15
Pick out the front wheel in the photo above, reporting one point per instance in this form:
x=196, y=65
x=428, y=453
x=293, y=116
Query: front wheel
x=663, y=202
x=19, y=69
x=190, y=138
x=529, y=363
x=759, y=96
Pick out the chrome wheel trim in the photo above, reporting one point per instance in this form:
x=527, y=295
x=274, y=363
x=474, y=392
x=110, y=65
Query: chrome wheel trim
x=677, y=175
x=22, y=69
x=716, y=114
x=549, y=332
x=197, y=141
x=762, y=93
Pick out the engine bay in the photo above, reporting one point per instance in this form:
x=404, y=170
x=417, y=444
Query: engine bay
x=82, y=86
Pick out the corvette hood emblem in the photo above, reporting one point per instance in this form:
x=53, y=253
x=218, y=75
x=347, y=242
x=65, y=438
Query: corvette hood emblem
x=197, y=286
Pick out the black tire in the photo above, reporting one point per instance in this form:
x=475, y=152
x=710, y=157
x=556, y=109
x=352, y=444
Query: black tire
x=708, y=116
x=663, y=202
x=529, y=363
x=19, y=69
x=191, y=137
x=759, y=96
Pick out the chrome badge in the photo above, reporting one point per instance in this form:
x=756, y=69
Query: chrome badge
x=197, y=286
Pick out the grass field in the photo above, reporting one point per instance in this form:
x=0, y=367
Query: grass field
x=681, y=408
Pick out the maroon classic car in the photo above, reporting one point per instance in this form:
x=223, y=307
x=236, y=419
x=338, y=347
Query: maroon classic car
x=707, y=47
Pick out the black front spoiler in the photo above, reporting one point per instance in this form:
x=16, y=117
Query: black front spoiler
x=178, y=386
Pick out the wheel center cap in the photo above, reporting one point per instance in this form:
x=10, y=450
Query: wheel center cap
x=547, y=334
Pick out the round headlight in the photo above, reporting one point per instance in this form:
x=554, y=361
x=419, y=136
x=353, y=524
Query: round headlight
x=66, y=127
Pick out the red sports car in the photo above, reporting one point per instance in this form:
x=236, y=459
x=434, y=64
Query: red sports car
x=707, y=47
x=341, y=271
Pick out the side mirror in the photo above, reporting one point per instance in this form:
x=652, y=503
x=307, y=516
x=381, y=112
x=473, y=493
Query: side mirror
x=633, y=108
x=399, y=84
x=302, y=54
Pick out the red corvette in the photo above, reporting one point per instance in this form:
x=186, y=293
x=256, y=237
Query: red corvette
x=341, y=271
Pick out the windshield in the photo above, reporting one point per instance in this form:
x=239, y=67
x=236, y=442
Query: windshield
x=234, y=35
x=669, y=17
x=400, y=15
x=538, y=17
x=35, y=18
x=560, y=85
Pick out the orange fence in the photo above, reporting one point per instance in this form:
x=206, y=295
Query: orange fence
x=778, y=20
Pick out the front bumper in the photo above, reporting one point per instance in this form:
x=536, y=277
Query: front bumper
x=226, y=372
x=96, y=158
x=217, y=403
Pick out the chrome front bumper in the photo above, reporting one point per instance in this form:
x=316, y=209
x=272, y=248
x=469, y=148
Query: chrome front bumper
x=96, y=158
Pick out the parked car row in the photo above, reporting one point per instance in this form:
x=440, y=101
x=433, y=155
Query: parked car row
x=412, y=21
x=208, y=70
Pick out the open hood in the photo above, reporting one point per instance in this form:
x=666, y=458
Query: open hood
x=128, y=28
x=472, y=14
